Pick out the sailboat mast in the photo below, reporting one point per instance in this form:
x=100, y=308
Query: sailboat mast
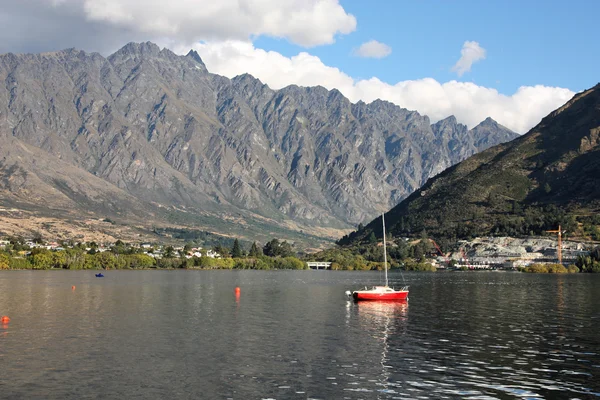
x=384, y=250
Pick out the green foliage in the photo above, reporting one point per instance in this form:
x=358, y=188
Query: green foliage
x=410, y=265
x=213, y=263
x=274, y=248
x=222, y=250
x=550, y=269
x=236, y=251
x=41, y=260
x=372, y=239
x=590, y=226
x=4, y=261
x=572, y=269
x=169, y=252
x=107, y=260
x=139, y=261
x=172, y=263
x=590, y=263
x=19, y=263
x=289, y=263
x=255, y=251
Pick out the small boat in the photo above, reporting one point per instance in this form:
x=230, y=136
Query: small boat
x=99, y=275
x=380, y=293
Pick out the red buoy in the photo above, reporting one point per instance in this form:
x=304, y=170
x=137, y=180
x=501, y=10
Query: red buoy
x=237, y=290
x=73, y=287
x=5, y=319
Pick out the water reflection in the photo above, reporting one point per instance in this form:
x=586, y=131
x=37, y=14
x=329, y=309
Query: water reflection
x=378, y=311
x=384, y=320
x=161, y=334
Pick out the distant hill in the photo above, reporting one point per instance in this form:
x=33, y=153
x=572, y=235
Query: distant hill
x=549, y=176
x=149, y=137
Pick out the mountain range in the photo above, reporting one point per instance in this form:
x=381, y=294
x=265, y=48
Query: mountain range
x=149, y=137
x=548, y=177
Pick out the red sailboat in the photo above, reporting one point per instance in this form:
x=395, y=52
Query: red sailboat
x=381, y=293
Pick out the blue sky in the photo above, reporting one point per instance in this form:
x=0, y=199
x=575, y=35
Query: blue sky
x=522, y=60
x=553, y=43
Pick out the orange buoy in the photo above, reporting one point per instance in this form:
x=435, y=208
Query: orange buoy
x=5, y=319
x=237, y=290
x=73, y=287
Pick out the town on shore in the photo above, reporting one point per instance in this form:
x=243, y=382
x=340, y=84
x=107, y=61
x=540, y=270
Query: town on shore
x=534, y=254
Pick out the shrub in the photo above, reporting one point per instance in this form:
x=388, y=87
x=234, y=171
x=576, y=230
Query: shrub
x=546, y=269
x=572, y=269
x=18, y=263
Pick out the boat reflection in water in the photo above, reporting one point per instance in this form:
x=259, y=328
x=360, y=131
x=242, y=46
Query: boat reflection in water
x=382, y=318
x=378, y=312
x=386, y=322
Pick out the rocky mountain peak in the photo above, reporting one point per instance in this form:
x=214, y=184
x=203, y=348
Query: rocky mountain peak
x=447, y=123
x=488, y=122
x=139, y=49
x=193, y=54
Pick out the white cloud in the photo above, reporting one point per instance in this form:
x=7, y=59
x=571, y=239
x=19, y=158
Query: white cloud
x=471, y=53
x=304, y=22
x=373, y=49
x=469, y=102
x=229, y=25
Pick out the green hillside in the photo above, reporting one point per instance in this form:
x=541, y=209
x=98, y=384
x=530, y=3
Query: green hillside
x=549, y=176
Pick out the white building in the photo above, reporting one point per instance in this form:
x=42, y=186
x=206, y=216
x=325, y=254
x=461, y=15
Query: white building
x=319, y=265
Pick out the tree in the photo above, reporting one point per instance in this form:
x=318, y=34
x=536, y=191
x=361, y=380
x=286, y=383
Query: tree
x=547, y=188
x=271, y=249
x=4, y=261
x=105, y=260
x=360, y=227
x=222, y=250
x=285, y=249
x=236, y=251
x=372, y=238
x=169, y=252
x=139, y=261
x=37, y=238
x=274, y=248
x=59, y=259
x=255, y=251
x=41, y=260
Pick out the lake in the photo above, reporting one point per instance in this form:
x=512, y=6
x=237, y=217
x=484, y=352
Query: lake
x=294, y=335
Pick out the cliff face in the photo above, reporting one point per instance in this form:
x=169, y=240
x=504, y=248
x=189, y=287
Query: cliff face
x=148, y=126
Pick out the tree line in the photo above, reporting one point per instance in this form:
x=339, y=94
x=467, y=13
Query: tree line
x=274, y=255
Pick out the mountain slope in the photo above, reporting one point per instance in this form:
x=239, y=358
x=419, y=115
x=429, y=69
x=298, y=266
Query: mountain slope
x=160, y=128
x=549, y=176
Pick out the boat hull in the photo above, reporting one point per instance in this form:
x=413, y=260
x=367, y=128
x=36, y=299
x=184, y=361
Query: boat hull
x=367, y=295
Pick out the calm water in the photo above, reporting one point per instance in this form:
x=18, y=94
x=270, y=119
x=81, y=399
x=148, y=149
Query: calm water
x=183, y=334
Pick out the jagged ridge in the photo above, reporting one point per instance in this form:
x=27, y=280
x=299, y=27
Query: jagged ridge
x=161, y=128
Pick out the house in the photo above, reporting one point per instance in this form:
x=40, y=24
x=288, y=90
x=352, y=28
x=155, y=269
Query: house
x=212, y=254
